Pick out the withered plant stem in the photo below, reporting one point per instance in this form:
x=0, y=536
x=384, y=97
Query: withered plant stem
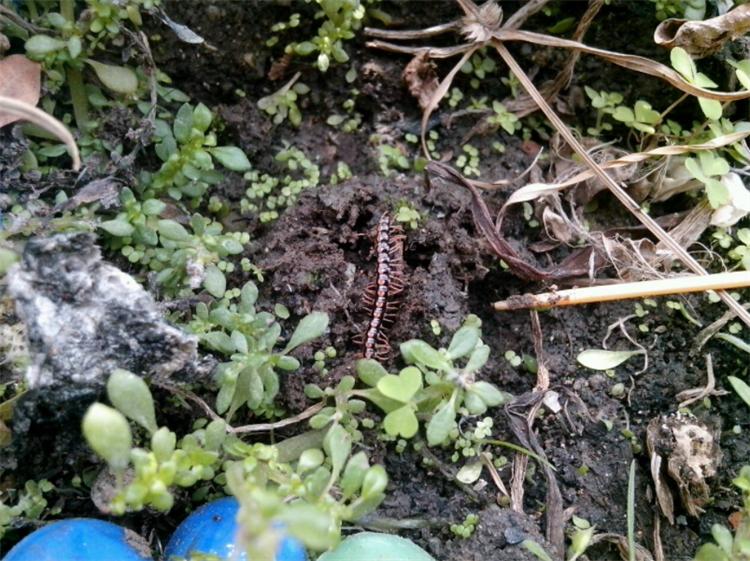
x=626, y=290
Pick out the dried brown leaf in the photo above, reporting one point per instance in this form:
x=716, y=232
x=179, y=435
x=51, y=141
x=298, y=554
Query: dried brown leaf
x=421, y=78
x=20, y=79
x=703, y=38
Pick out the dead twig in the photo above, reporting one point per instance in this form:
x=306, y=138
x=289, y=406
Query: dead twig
x=686, y=397
x=268, y=427
x=627, y=290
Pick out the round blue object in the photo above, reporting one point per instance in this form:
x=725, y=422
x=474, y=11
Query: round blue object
x=211, y=530
x=80, y=539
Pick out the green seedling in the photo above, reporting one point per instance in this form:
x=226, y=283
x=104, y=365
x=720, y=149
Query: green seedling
x=503, y=118
x=683, y=63
x=30, y=504
x=641, y=118
x=249, y=338
x=342, y=18
x=283, y=102
x=709, y=168
x=268, y=194
x=408, y=215
x=435, y=388
x=605, y=104
x=184, y=259
x=154, y=471
x=728, y=547
x=188, y=149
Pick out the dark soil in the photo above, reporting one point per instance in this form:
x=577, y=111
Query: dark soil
x=318, y=256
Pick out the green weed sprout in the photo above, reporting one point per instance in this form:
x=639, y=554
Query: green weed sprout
x=434, y=389
x=641, y=118
x=65, y=44
x=269, y=194
x=503, y=118
x=283, y=102
x=30, y=504
x=154, y=471
x=684, y=64
x=188, y=150
x=311, y=495
x=184, y=259
x=342, y=19
x=728, y=547
x=248, y=338
x=741, y=252
x=408, y=215
x=605, y=104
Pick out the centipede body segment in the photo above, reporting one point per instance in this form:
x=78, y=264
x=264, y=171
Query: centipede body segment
x=380, y=295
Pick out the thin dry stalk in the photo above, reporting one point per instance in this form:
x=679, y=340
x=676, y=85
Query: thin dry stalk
x=497, y=480
x=267, y=427
x=711, y=330
x=687, y=397
x=626, y=291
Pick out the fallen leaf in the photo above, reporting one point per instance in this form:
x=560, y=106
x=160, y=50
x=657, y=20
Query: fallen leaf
x=421, y=78
x=703, y=38
x=601, y=359
x=20, y=79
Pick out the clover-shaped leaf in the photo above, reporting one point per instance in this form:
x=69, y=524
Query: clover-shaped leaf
x=401, y=421
x=402, y=387
x=645, y=114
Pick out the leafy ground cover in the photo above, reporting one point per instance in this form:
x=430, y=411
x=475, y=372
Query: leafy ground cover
x=179, y=310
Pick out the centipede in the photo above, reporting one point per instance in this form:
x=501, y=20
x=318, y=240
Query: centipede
x=380, y=296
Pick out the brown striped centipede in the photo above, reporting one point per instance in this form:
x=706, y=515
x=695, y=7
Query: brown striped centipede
x=379, y=294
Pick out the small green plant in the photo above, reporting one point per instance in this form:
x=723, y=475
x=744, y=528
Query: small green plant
x=342, y=173
x=183, y=259
x=709, y=168
x=580, y=538
x=65, y=44
x=605, y=103
x=689, y=9
x=283, y=102
x=465, y=529
x=342, y=18
x=29, y=505
x=309, y=486
x=188, y=150
x=435, y=388
x=311, y=495
x=468, y=160
x=479, y=66
x=248, y=338
x=154, y=472
x=503, y=118
x=684, y=64
x=268, y=194
x=350, y=120
x=741, y=251
x=641, y=118
x=392, y=158
x=728, y=547
x=408, y=215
